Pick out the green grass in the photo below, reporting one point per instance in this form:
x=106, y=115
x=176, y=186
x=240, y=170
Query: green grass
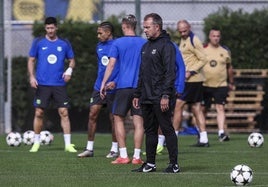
x=201, y=167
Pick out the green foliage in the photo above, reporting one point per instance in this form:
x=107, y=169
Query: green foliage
x=174, y=35
x=21, y=93
x=245, y=35
x=83, y=37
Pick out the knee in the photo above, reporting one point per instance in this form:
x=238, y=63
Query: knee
x=93, y=115
x=63, y=113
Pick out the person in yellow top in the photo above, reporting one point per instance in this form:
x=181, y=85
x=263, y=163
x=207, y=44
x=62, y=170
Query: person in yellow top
x=218, y=72
x=194, y=58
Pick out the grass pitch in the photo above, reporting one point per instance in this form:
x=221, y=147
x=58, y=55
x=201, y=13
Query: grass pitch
x=201, y=167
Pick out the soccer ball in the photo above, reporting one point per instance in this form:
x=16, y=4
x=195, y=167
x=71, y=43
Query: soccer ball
x=255, y=139
x=28, y=137
x=46, y=137
x=13, y=139
x=241, y=175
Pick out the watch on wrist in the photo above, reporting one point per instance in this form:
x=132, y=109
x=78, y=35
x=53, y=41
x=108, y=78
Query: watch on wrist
x=165, y=96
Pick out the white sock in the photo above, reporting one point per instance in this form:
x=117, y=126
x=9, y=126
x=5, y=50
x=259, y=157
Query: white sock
x=220, y=132
x=123, y=152
x=137, y=153
x=203, y=137
x=114, y=147
x=90, y=145
x=36, y=138
x=161, y=140
x=177, y=133
x=67, y=139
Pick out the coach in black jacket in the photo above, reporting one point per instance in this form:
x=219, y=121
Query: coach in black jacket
x=156, y=92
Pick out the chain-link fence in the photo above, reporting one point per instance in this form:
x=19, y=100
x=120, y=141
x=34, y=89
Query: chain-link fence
x=20, y=14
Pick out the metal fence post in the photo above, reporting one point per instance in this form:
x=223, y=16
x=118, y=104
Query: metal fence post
x=2, y=87
x=138, y=15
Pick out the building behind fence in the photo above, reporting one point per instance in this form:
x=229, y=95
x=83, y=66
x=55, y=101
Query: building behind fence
x=25, y=11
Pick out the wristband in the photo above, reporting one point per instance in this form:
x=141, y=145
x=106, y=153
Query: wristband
x=69, y=71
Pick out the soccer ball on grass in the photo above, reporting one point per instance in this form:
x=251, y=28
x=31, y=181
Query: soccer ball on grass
x=45, y=137
x=28, y=137
x=255, y=139
x=241, y=175
x=13, y=139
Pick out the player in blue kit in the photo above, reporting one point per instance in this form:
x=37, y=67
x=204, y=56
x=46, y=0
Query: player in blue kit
x=126, y=52
x=49, y=79
x=105, y=35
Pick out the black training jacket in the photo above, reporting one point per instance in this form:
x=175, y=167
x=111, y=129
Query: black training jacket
x=157, y=71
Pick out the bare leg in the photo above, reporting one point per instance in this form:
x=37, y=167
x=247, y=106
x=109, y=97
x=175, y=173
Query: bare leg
x=65, y=121
x=92, y=122
x=139, y=131
x=66, y=127
x=201, y=123
x=120, y=131
x=177, y=118
x=38, y=120
x=220, y=116
x=113, y=128
x=121, y=138
x=199, y=116
x=37, y=125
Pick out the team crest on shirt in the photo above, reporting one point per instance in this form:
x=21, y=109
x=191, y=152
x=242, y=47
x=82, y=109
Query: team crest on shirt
x=154, y=51
x=59, y=48
x=213, y=63
x=105, y=60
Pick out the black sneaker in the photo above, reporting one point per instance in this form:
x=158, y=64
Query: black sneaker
x=200, y=144
x=172, y=168
x=223, y=138
x=145, y=168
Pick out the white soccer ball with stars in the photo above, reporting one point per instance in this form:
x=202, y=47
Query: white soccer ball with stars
x=28, y=137
x=241, y=175
x=46, y=137
x=255, y=139
x=14, y=139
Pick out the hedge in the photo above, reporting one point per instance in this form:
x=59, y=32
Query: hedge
x=244, y=33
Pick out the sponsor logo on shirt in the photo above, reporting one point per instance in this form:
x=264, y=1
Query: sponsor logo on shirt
x=105, y=60
x=52, y=59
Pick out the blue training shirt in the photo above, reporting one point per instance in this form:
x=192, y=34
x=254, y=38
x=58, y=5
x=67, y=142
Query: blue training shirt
x=180, y=72
x=127, y=52
x=50, y=58
x=102, y=51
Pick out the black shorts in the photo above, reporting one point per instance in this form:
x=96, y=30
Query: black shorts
x=107, y=101
x=193, y=92
x=123, y=103
x=57, y=94
x=215, y=95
